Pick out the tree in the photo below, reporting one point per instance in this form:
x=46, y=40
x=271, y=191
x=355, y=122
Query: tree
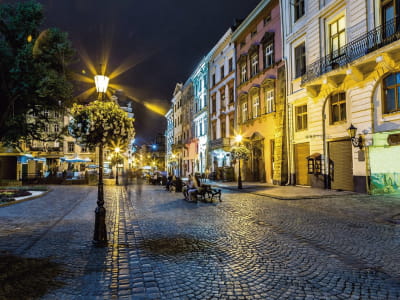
x=101, y=124
x=240, y=152
x=33, y=72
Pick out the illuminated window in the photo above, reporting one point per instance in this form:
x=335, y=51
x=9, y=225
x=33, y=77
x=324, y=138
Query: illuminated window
x=301, y=117
x=213, y=103
x=56, y=128
x=269, y=101
x=223, y=128
x=222, y=98
x=337, y=36
x=338, y=108
x=244, y=112
x=391, y=91
x=256, y=105
x=269, y=55
x=254, y=64
x=243, y=73
x=231, y=94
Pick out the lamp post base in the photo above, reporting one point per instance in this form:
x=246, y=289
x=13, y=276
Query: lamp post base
x=100, y=231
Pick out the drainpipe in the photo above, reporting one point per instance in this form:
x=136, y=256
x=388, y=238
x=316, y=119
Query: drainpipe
x=325, y=147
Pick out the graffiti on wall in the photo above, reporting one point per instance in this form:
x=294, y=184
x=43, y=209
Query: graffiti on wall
x=385, y=183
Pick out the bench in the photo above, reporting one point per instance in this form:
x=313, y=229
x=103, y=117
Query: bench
x=207, y=193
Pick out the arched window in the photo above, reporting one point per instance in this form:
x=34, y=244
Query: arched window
x=391, y=90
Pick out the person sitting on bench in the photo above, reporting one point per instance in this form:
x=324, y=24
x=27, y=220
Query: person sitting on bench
x=194, y=189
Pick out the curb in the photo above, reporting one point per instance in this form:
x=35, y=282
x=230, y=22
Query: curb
x=26, y=199
x=258, y=193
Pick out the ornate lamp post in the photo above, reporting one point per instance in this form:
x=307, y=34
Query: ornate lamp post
x=100, y=231
x=238, y=140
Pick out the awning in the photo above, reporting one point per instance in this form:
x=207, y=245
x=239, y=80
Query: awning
x=75, y=159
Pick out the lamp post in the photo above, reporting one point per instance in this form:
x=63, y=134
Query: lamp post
x=100, y=231
x=238, y=139
x=116, y=164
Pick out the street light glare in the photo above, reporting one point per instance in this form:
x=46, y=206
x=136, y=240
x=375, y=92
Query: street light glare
x=117, y=149
x=238, y=138
x=101, y=82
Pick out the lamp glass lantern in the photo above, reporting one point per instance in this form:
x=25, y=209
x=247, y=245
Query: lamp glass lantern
x=101, y=82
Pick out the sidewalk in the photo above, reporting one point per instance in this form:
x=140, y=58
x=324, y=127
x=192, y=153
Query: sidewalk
x=289, y=192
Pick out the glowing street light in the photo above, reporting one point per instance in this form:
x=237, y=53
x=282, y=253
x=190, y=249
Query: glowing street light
x=101, y=82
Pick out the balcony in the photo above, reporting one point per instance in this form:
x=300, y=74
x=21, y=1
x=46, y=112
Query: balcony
x=220, y=143
x=371, y=41
x=177, y=146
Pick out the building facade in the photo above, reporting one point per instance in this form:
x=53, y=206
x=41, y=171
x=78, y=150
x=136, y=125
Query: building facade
x=221, y=107
x=200, y=114
x=342, y=68
x=261, y=93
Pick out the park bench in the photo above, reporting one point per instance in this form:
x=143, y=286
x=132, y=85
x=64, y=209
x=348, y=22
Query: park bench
x=207, y=193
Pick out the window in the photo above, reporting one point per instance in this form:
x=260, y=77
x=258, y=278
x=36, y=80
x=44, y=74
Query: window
x=388, y=14
x=256, y=105
x=244, y=112
x=231, y=125
x=391, y=91
x=269, y=55
x=300, y=60
x=214, y=131
x=56, y=114
x=337, y=38
x=223, y=128
x=243, y=73
x=83, y=149
x=71, y=147
x=222, y=72
x=254, y=64
x=213, y=104
x=56, y=128
x=223, y=98
x=269, y=101
x=231, y=95
x=46, y=113
x=213, y=79
x=338, y=108
x=298, y=9
x=301, y=117
x=230, y=65
x=254, y=33
x=267, y=19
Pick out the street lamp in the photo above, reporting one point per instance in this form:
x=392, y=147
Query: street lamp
x=100, y=231
x=357, y=142
x=238, y=140
x=116, y=164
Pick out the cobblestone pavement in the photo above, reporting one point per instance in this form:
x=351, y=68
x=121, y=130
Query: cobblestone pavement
x=246, y=247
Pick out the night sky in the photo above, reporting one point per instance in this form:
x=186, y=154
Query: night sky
x=161, y=40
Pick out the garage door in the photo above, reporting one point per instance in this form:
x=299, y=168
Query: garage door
x=340, y=153
x=301, y=153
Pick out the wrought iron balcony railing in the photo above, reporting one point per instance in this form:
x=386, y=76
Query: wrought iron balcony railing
x=367, y=43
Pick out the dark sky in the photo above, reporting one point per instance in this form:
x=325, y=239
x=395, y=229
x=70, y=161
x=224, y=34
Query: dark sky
x=163, y=39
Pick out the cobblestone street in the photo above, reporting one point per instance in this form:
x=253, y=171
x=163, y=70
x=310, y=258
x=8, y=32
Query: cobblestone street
x=249, y=246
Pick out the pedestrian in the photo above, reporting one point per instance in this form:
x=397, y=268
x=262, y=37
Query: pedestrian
x=139, y=183
x=193, y=189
